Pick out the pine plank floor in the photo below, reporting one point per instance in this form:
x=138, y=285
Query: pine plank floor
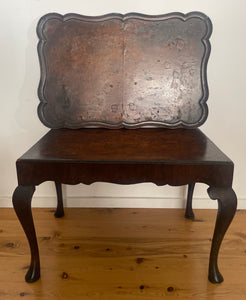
x=129, y=254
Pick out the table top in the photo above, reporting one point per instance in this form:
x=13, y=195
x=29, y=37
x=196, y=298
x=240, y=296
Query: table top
x=145, y=145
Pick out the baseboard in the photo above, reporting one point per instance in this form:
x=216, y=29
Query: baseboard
x=135, y=202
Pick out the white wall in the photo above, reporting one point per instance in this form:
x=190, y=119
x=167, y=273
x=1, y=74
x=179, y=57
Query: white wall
x=19, y=77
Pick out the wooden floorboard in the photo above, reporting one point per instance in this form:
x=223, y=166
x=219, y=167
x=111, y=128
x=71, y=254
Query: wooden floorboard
x=122, y=254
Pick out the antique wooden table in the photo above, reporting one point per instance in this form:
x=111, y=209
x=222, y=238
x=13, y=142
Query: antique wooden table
x=114, y=73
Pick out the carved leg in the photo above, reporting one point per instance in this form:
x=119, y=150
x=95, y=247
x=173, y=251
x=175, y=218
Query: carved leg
x=227, y=204
x=189, y=212
x=59, y=210
x=22, y=198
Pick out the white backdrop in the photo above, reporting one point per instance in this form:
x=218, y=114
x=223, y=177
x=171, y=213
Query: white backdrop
x=19, y=77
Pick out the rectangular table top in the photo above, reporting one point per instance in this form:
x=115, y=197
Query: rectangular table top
x=145, y=145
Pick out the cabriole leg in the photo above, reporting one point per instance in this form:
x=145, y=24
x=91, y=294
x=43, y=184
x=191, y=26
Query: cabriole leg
x=189, y=212
x=22, y=198
x=227, y=205
x=59, y=210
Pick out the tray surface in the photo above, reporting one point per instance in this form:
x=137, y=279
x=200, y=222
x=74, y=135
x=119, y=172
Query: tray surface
x=123, y=70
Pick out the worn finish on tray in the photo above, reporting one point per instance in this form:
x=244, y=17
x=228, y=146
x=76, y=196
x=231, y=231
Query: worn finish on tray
x=123, y=71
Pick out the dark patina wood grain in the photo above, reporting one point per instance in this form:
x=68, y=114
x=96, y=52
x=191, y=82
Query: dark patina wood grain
x=162, y=156
x=123, y=70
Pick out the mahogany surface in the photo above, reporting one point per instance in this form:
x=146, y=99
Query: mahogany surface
x=123, y=70
x=162, y=156
x=153, y=145
x=127, y=71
